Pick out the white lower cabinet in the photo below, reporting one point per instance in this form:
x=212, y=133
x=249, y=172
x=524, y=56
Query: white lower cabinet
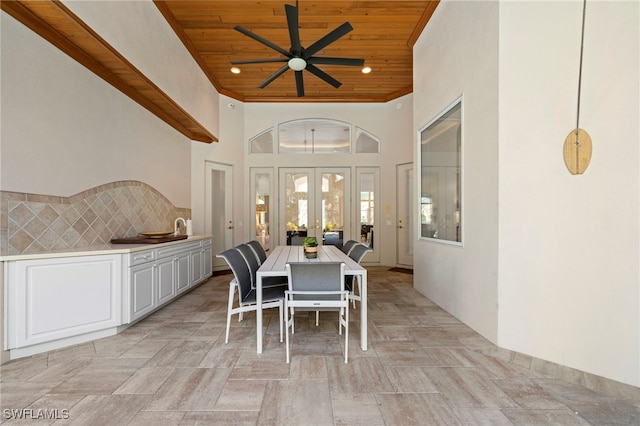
x=58, y=298
x=53, y=302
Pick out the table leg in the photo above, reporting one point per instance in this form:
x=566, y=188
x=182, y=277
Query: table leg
x=259, y=312
x=363, y=311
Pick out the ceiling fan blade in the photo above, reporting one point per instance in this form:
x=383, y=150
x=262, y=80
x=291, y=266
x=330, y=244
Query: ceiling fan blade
x=299, y=83
x=264, y=41
x=328, y=39
x=274, y=76
x=323, y=60
x=259, y=61
x=294, y=34
x=323, y=75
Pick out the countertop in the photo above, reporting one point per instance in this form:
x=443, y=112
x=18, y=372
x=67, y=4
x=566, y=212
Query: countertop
x=100, y=249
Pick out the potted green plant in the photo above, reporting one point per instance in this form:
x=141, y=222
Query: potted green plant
x=310, y=244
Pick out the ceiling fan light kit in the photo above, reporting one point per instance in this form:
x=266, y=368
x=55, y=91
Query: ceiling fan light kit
x=298, y=58
x=297, y=64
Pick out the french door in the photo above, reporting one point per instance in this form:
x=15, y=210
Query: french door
x=314, y=202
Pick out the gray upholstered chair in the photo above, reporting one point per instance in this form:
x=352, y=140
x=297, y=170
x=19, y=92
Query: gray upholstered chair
x=346, y=247
x=252, y=260
x=258, y=250
x=357, y=253
x=272, y=297
x=316, y=286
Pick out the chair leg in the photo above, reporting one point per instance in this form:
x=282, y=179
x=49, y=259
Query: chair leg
x=280, y=309
x=346, y=334
x=286, y=313
x=317, y=318
x=232, y=291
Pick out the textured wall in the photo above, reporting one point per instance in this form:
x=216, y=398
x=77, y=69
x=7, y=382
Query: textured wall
x=33, y=223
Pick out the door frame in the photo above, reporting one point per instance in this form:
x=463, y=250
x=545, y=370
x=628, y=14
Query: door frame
x=219, y=244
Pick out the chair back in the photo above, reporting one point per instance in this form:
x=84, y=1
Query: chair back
x=258, y=250
x=346, y=248
x=316, y=277
x=240, y=271
x=252, y=261
x=358, y=251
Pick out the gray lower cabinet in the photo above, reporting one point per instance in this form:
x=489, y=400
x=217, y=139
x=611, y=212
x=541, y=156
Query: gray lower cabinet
x=183, y=277
x=159, y=275
x=142, y=281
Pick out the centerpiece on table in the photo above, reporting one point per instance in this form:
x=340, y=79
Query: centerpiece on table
x=310, y=245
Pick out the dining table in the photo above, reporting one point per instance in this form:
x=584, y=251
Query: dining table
x=274, y=266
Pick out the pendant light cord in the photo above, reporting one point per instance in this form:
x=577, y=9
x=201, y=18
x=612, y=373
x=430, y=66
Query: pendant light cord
x=584, y=10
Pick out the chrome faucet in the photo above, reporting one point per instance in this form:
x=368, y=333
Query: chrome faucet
x=175, y=225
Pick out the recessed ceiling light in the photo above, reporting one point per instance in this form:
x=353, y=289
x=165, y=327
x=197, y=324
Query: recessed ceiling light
x=366, y=70
x=235, y=70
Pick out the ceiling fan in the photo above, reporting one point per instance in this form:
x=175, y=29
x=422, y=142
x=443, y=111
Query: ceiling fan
x=297, y=57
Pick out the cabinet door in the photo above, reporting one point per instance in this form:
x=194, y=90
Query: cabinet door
x=206, y=261
x=143, y=294
x=183, y=279
x=56, y=298
x=166, y=282
x=196, y=266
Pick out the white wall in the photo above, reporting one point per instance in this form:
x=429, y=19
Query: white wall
x=65, y=130
x=230, y=150
x=457, y=54
x=145, y=39
x=391, y=122
x=569, y=285
x=558, y=278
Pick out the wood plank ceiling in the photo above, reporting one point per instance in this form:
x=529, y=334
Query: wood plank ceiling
x=383, y=35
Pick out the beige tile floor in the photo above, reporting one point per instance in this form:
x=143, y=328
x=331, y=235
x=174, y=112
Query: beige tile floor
x=423, y=367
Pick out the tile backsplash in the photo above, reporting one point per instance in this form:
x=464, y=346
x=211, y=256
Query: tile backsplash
x=32, y=223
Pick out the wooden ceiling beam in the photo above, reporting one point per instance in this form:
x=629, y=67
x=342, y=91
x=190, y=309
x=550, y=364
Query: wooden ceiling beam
x=57, y=24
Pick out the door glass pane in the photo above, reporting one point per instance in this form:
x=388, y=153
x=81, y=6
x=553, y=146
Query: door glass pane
x=262, y=191
x=333, y=188
x=296, y=207
x=367, y=207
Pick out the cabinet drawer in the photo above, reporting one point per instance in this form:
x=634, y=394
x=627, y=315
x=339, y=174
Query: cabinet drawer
x=174, y=250
x=141, y=257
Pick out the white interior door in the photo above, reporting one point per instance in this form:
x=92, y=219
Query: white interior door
x=312, y=201
x=404, y=225
x=219, y=209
